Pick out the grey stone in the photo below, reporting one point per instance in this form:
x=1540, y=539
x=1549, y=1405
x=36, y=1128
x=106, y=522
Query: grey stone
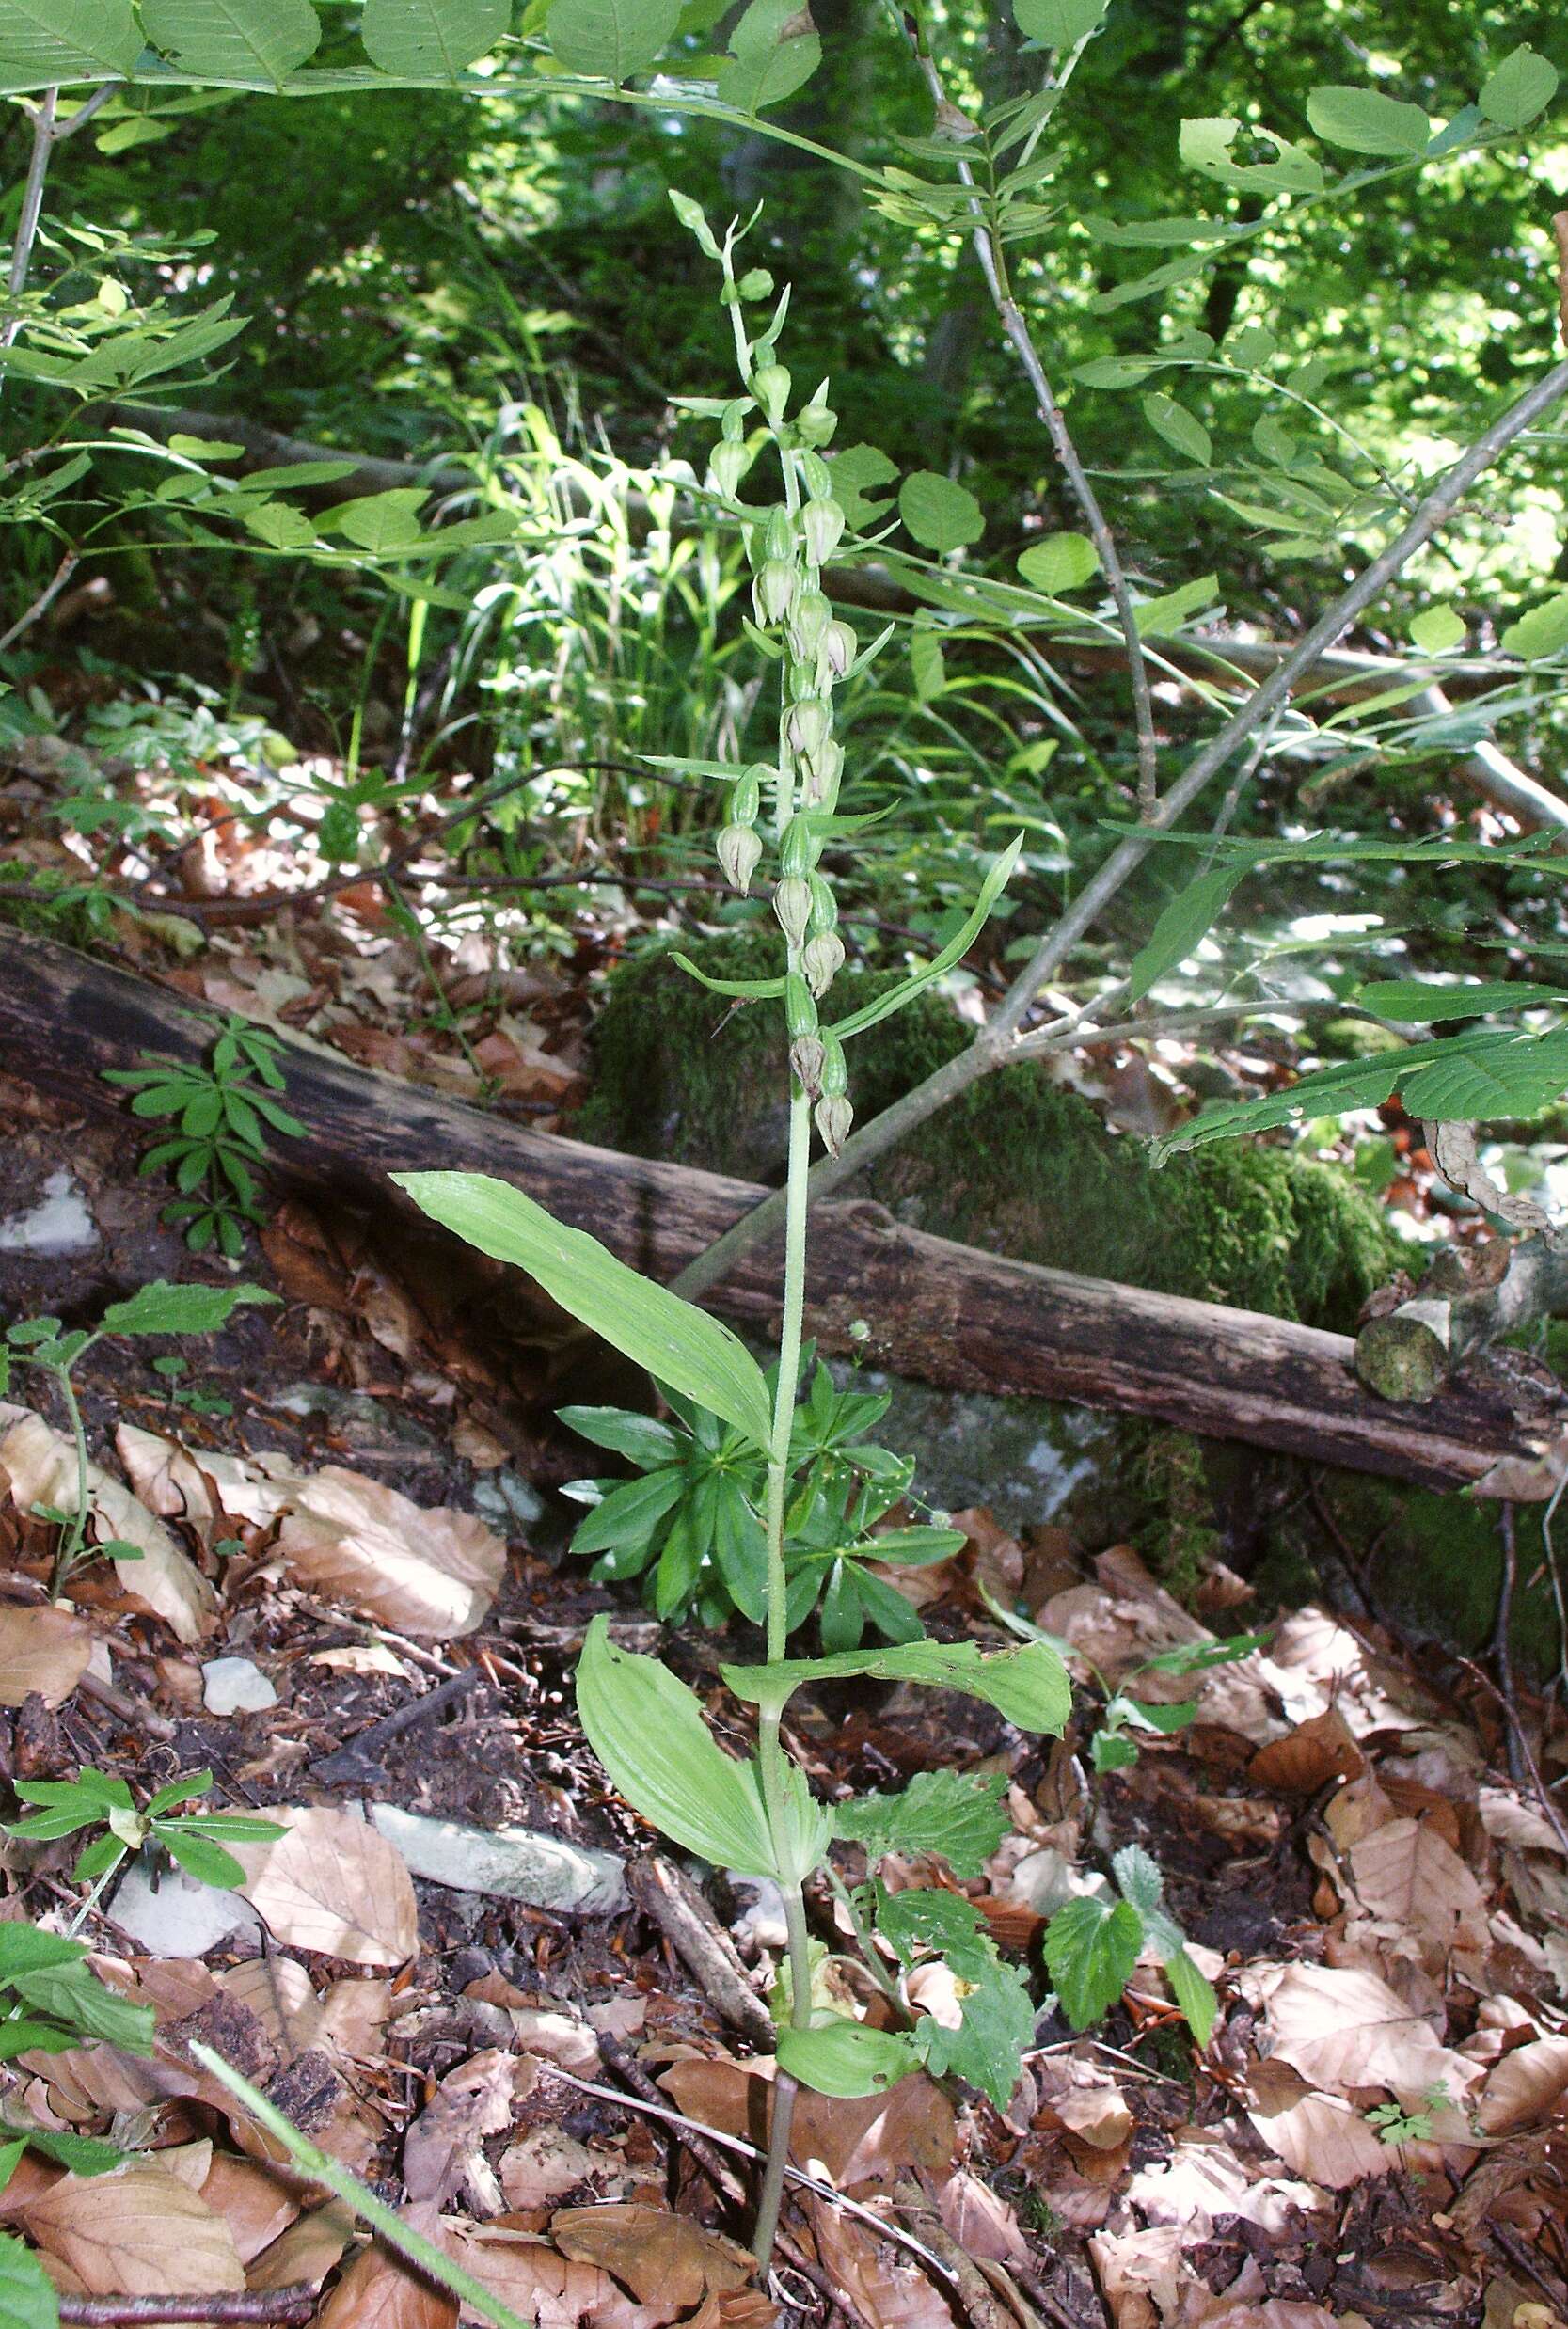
x=508, y=1863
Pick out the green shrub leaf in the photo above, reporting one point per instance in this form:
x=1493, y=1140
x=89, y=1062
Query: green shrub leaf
x=1061, y=562
x=1523, y=86
x=1366, y=121
x=431, y=38
x=28, y=2299
x=940, y=515
x=1058, y=23
x=610, y=40
x=42, y=42
x=839, y=2057
x=1091, y=1948
x=954, y=1813
x=1028, y=1685
x=238, y=39
x=162, y=1309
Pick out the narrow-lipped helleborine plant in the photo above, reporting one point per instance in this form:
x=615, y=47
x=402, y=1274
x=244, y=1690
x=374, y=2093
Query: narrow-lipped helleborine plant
x=759, y=1818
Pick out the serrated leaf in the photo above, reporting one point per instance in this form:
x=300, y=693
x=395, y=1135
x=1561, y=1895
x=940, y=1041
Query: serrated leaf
x=1061, y=562
x=952, y=1813
x=1543, y=631
x=1194, y=1993
x=46, y=41
x=1028, y=1685
x=1366, y=121
x=1058, y=23
x=1091, y=1948
x=162, y=1309
x=431, y=38
x=942, y=516
x=1178, y=427
x=1138, y=1877
x=1419, y=1001
x=610, y=40
x=1523, y=86
x=239, y=40
x=847, y=2058
x=678, y=1344
x=649, y=1731
x=996, y=2029
x=1191, y=914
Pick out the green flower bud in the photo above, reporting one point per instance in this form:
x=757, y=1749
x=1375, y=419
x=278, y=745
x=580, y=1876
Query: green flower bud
x=824, y=907
x=833, y=1120
x=792, y=905
x=799, y=1009
x=745, y=797
x=824, y=768
x=805, y=1057
x=779, y=535
x=835, y=1068
x=727, y=467
x=815, y=423
x=756, y=283
x=774, y=590
x=732, y=428
x=809, y=618
x=822, y=526
x=837, y=648
x=822, y=959
x=816, y=477
x=807, y=725
x=739, y=852
x=797, y=851
x=771, y=383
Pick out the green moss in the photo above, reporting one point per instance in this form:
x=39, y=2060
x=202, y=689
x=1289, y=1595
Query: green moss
x=1177, y=1538
x=73, y=924
x=1015, y=1163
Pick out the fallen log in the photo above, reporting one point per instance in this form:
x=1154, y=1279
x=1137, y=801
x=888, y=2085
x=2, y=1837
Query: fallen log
x=933, y=1310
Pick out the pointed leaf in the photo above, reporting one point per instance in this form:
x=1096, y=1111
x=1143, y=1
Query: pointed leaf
x=940, y=514
x=1182, y=927
x=956, y=947
x=1366, y=121
x=1523, y=86
x=162, y=1309
x=846, y=2058
x=238, y=39
x=27, y=2298
x=1028, y=1685
x=1090, y=1949
x=1194, y=1993
x=1419, y=1001
x=45, y=42
x=1061, y=562
x=610, y=40
x=431, y=38
x=1058, y=23
x=678, y=1344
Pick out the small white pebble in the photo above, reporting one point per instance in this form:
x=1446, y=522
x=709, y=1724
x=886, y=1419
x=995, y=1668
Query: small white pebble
x=232, y=1685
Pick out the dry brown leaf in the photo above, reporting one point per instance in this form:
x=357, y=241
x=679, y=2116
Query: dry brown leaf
x=41, y=1649
x=42, y=1467
x=1310, y=1756
x=135, y=2232
x=307, y=2252
x=981, y=2221
x=662, y=2258
x=1511, y=1820
x=1142, y=2274
x=380, y=2292
x=1343, y=2027
x=334, y=1885
x=1202, y=2179
x=532, y=2277
x=472, y=2101
x=1530, y=2083
x=1084, y=2098
x=256, y=2201
x=545, y=2166
x=430, y=1574
x=1406, y=1873
x=355, y=2014
x=278, y=1992
x=863, y=2143
x=885, y=2286
x=1322, y=2137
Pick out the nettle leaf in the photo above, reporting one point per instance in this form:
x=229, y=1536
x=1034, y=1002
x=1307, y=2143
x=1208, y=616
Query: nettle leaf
x=649, y=1731
x=431, y=38
x=774, y=51
x=952, y=1813
x=165, y=1309
x=1138, y=1877
x=1523, y=86
x=1366, y=121
x=1543, y=631
x=44, y=41
x=1419, y=1001
x=989, y=2045
x=1061, y=562
x=846, y=2058
x=610, y=40
x=1091, y=1948
x=1181, y=929
x=678, y=1344
x=1028, y=1685
x=940, y=514
x=1178, y=427
x=1058, y=23
x=243, y=39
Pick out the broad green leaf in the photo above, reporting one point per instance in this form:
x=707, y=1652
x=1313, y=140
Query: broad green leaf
x=1028, y=1685
x=1543, y=631
x=649, y=1731
x=1058, y=23
x=846, y=2058
x=44, y=41
x=431, y=38
x=857, y=472
x=11, y=2160
x=773, y=52
x=638, y=1438
x=630, y=1513
x=954, y=950
x=1523, y=86
x=1191, y=914
x=383, y=522
x=1138, y=1877
x=953, y=1812
x=996, y=2028
x=25, y=1949
x=200, y=1858
x=204, y=447
x=1436, y=629
x=279, y=524
x=233, y=39
x=1090, y=1950
x=610, y=40
x=27, y=2298
x=1178, y=427
x=1419, y=1001
x=1366, y=121
x=1205, y=145
x=1117, y=372
x=85, y=2155
x=75, y=1998
x=677, y=1345
x=927, y=666
x=940, y=515
x=165, y=1309
x=1194, y=1993
x=740, y=1551
x=1061, y=562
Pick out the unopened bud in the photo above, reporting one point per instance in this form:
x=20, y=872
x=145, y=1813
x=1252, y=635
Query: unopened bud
x=822, y=527
x=800, y=1008
x=822, y=959
x=834, y=1120
x=807, y=725
x=824, y=907
x=774, y=592
x=779, y=535
x=727, y=467
x=732, y=428
x=745, y=797
x=740, y=853
x=771, y=383
x=797, y=851
x=792, y=905
x=816, y=477
x=835, y=1068
x=755, y=283
x=805, y=1057
x=810, y=618
x=837, y=648
x=814, y=422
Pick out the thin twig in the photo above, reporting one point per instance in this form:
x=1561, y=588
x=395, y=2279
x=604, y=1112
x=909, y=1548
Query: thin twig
x=1542, y=1793
x=45, y=600
x=295, y=2303
x=1501, y=1650
x=32, y=209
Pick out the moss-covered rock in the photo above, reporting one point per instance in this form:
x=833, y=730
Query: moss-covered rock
x=1017, y=1164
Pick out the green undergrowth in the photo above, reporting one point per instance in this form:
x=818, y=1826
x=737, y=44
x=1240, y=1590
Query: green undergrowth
x=1017, y=1164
